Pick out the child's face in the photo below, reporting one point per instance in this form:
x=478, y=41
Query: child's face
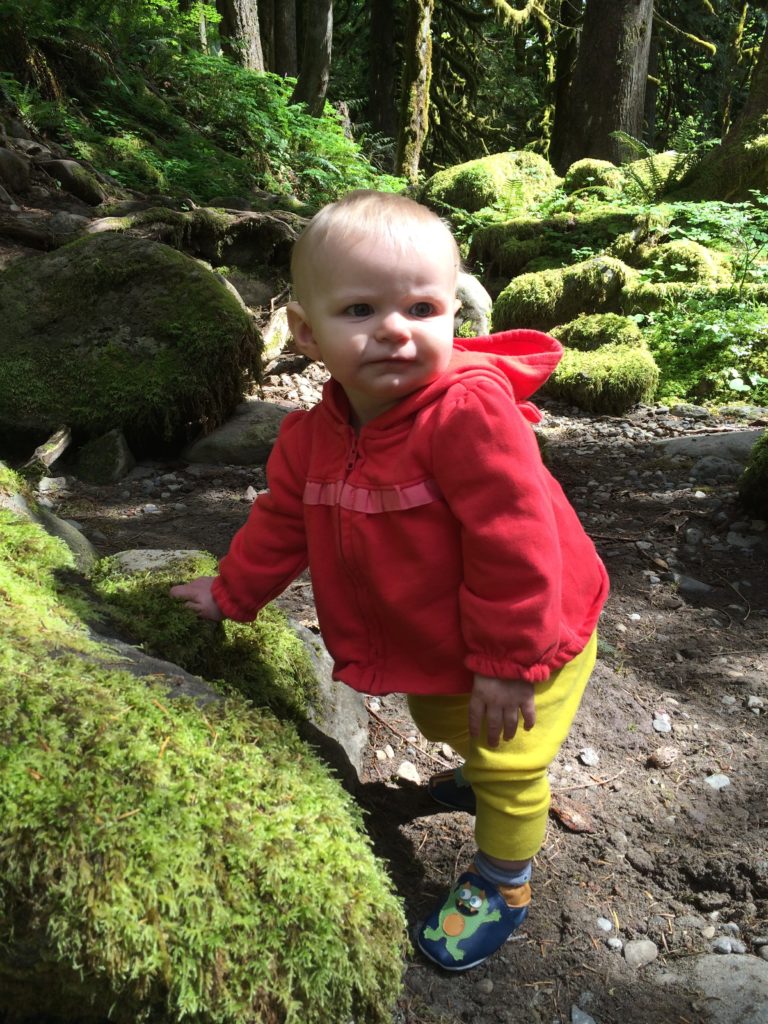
x=379, y=315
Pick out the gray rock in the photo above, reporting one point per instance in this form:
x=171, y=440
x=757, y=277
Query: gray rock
x=84, y=553
x=408, y=772
x=614, y=943
x=590, y=757
x=76, y=180
x=604, y=924
x=578, y=1016
x=733, y=445
x=717, y=781
x=475, y=307
x=640, y=952
x=690, y=587
x=276, y=334
x=14, y=171
x=732, y=989
x=106, y=459
x=245, y=439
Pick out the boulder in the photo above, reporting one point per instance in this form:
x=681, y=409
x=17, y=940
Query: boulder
x=277, y=334
x=507, y=181
x=105, y=460
x=473, y=318
x=608, y=381
x=753, y=486
x=169, y=852
x=155, y=345
x=14, y=171
x=246, y=439
x=76, y=180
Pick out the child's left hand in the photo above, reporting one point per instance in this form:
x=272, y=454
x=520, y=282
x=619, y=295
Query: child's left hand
x=500, y=702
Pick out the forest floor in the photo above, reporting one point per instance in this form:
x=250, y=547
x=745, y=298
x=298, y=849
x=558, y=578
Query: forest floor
x=637, y=837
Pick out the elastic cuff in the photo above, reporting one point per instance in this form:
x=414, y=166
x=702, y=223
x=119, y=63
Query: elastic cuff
x=498, y=875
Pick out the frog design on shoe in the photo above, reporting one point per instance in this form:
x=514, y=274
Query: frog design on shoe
x=472, y=923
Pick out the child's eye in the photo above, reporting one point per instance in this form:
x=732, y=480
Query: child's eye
x=422, y=309
x=359, y=309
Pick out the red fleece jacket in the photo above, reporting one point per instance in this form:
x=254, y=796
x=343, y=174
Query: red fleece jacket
x=439, y=545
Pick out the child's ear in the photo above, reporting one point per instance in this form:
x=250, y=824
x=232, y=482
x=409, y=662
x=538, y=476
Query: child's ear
x=301, y=330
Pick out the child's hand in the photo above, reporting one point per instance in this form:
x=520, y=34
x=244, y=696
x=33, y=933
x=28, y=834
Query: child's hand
x=499, y=702
x=197, y=596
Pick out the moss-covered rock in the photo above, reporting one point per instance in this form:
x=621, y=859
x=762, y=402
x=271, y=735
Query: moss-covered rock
x=683, y=260
x=264, y=660
x=655, y=175
x=541, y=300
x=505, y=181
x=113, y=331
x=729, y=172
x=507, y=249
x=753, y=486
x=591, y=331
x=593, y=175
x=607, y=381
x=162, y=860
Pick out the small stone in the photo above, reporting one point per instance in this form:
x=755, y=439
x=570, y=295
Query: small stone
x=717, y=781
x=727, y=699
x=409, y=773
x=578, y=1016
x=380, y=755
x=708, y=932
x=390, y=753
x=662, y=723
x=589, y=756
x=634, y=617
x=755, y=702
x=614, y=943
x=640, y=952
x=732, y=927
x=374, y=704
x=737, y=946
x=485, y=986
x=722, y=945
x=52, y=484
x=446, y=751
x=663, y=757
x=151, y=509
x=251, y=493
x=604, y=924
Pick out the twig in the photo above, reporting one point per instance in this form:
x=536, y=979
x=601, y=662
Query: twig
x=589, y=785
x=738, y=594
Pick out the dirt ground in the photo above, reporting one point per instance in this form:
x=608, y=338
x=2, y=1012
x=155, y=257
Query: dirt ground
x=637, y=838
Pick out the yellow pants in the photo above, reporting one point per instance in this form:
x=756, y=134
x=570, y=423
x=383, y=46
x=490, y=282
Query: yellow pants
x=510, y=781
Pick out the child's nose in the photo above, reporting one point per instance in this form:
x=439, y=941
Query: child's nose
x=393, y=327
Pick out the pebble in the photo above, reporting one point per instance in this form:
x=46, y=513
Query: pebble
x=485, y=986
x=662, y=723
x=639, y=952
x=605, y=924
x=151, y=509
x=717, y=781
x=408, y=772
x=374, y=704
x=380, y=755
x=389, y=751
x=725, y=944
x=446, y=751
x=578, y=1016
x=614, y=943
x=663, y=757
x=755, y=703
x=589, y=756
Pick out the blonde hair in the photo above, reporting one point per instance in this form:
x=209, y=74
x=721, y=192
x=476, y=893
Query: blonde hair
x=383, y=215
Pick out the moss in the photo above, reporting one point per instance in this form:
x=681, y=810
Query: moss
x=264, y=660
x=654, y=176
x=504, y=181
x=591, y=331
x=593, y=175
x=549, y=297
x=155, y=344
x=607, y=381
x=683, y=260
x=729, y=173
x=753, y=486
x=161, y=861
x=508, y=249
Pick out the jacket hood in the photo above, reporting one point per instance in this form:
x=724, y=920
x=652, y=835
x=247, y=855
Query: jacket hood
x=522, y=359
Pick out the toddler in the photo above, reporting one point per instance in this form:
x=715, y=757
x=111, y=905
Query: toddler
x=446, y=562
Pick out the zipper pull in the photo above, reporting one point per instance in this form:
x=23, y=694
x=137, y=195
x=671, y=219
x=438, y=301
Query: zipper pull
x=352, y=459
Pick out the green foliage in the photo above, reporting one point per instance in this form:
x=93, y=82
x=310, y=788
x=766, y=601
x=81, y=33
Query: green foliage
x=652, y=175
x=607, y=381
x=264, y=660
x=162, y=861
x=753, y=486
x=710, y=348
x=504, y=182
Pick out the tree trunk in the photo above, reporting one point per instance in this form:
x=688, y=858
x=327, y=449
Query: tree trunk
x=267, y=31
x=312, y=84
x=414, y=121
x=609, y=79
x=382, y=105
x=566, y=51
x=239, y=30
x=286, y=47
x=753, y=119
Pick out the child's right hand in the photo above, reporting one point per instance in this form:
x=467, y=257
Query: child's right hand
x=197, y=596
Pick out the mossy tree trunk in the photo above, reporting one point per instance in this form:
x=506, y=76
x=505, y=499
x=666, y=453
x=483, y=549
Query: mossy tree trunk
x=267, y=28
x=312, y=84
x=382, y=104
x=608, y=88
x=753, y=119
x=239, y=30
x=414, y=120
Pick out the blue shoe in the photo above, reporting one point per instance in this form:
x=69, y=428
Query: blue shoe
x=473, y=923
x=451, y=789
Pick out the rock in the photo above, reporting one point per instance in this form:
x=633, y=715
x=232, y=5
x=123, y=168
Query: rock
x=83, y=551
x=717, y=781
x=730, y=989
x=614, y=943
x=690, y=587
x=604, y=924
x=640, y=859
x=663, y=757
x=14, y=171
x=640, y=952
x=662, y=723
x=105, y=460
x=763, y=952
x=580, y=1017
x=590, y=757
x=733, y=445
x=65, y=227
x=276, y=334
x=474, y=313
x=408, y=773
x=76, y=180
x=152, y=343
x=246, y=438
x=485, y=986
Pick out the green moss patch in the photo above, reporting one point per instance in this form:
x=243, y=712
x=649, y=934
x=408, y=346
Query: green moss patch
x=593, y=176
x=591, y=331
x=541, y=300
x=753, y=486
x=113, y=331
x=264, y=660
x=162, y=861
x=504, y=181
x=683, y=260
x=608, y=381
